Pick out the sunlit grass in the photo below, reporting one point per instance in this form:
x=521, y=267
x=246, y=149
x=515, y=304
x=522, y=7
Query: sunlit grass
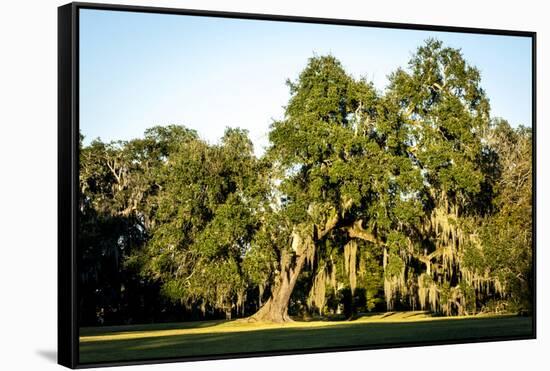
x=223, y=337
x=206, y=327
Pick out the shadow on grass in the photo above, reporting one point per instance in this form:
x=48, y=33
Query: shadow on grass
x=128, y=329
x=280, y=339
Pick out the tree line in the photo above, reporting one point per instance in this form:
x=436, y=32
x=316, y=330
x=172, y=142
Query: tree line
x=413, y=198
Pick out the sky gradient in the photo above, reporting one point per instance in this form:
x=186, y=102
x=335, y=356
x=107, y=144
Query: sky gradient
x=138, y=70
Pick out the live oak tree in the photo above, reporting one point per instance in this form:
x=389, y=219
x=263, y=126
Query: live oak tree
x=208, y=213
x=400, y=171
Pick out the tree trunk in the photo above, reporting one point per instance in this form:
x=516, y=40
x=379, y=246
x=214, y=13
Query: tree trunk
x=276, y=307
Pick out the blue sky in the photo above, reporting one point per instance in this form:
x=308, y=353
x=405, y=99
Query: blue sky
x=138, y=70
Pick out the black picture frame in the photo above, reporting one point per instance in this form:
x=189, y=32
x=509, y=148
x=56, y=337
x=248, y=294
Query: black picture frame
x=68, y=139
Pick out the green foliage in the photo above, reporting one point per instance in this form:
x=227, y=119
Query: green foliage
x=501, y=255
x=207, y=218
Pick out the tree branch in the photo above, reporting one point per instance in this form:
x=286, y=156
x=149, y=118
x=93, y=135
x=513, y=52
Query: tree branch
x=357, y=231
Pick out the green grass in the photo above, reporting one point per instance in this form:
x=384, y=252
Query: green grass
x=138, y=342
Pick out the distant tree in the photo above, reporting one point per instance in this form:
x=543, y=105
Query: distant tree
x=118, y=183
x=499, y=259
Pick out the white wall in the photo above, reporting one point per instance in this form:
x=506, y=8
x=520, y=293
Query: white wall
x=28, y=79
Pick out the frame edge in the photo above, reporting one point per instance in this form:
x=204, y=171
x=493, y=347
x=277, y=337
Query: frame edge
x=67, y=352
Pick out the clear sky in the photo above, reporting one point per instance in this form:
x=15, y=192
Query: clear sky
x=138, y=70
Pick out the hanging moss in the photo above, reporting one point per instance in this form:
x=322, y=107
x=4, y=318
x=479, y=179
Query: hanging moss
x=350, y=263
x=317, y=294
x=394, y=280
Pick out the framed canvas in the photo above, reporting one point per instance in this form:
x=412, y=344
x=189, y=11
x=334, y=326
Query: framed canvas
x=237, y=185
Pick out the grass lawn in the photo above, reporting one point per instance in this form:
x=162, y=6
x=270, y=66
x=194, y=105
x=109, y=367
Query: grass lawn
x=126, y=343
